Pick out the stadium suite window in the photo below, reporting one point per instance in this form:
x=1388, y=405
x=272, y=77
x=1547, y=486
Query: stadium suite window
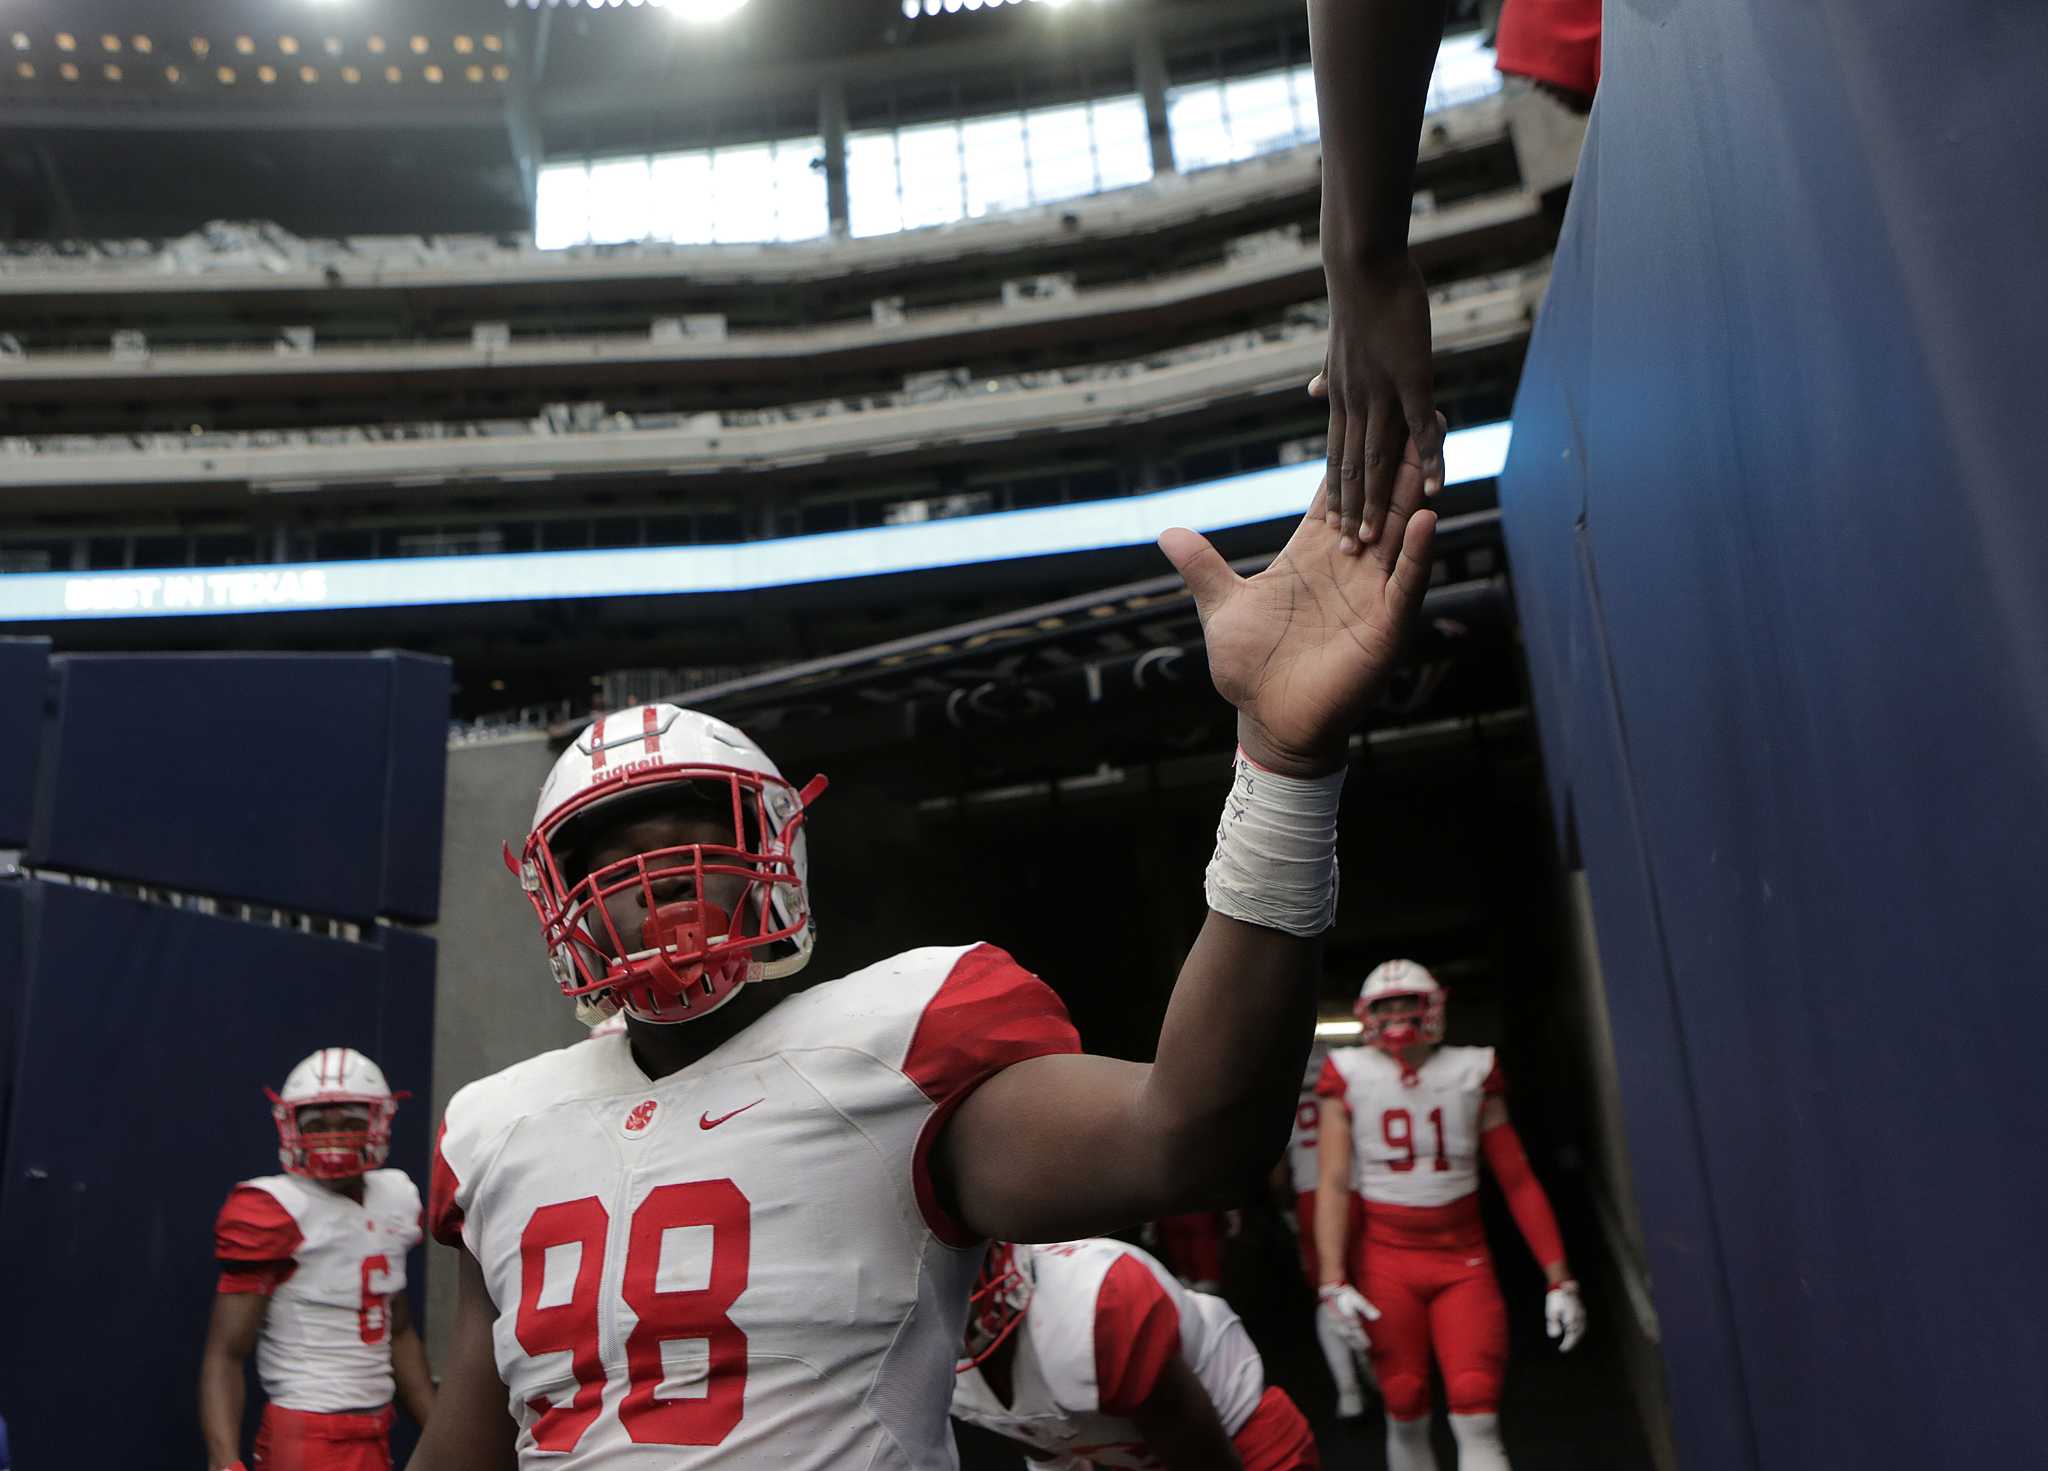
x=1237, y=118
x=745, y=194
x=936, y=173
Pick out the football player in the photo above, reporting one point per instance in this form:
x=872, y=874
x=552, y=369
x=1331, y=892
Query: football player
x=313, y=1280
x=744, y=1231
x=1296, y=1176
x=1091, y=1352
x=1408, y=1120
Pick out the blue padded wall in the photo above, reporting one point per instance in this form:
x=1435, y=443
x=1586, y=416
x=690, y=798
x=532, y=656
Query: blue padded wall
x=1782, y=563
x=24, y=674
x=146, y=1039
x=13, y=995
x=307, y=782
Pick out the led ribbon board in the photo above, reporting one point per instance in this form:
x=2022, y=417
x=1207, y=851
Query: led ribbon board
x=1238, y=500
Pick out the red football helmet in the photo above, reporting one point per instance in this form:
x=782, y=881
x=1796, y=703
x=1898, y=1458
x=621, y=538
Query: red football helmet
x=690, y=956
x=1001, y=1293
x=334, y=1077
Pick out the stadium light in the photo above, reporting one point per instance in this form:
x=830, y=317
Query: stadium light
x=704, y=12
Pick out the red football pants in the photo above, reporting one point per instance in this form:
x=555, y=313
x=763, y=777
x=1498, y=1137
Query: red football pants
x=1276, y=1438
x=302, y=1440
x=1436, y=1298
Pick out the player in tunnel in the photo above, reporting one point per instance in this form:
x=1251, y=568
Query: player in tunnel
x=675, y=1185
x=1408, y=1119
x=313, y=1280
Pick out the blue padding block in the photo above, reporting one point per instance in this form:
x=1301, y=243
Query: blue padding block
x=417, y=780
x=13, y=993
x=1776, y=531
x=148, y=1036
x=299, y=781
x=24, y=676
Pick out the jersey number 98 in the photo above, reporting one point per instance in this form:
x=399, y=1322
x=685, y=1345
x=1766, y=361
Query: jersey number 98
x=665, y=1316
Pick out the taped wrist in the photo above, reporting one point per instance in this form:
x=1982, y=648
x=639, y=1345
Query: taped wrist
x=1276, y=850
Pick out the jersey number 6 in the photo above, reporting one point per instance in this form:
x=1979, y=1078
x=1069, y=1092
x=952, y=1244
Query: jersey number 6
x=665, y=1315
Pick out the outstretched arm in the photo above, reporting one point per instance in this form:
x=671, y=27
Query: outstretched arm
x=1064, y=1146
x=1372, y=63
x=470, y=1429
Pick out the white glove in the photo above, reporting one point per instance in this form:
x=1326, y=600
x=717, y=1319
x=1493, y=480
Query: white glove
x=1348, y=1312
x=1564, y=1316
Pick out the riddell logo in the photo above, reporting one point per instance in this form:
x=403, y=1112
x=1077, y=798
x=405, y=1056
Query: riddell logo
x=627, y=768
x=641, y=1116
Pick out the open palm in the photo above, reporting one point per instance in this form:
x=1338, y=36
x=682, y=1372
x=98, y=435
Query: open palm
x=1300, y=648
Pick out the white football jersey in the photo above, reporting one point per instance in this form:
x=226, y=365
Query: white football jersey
x=1413, y=1145
x=326, y=1341
x=1304, y=1165
x=743, y=1263
x=1103, y=1320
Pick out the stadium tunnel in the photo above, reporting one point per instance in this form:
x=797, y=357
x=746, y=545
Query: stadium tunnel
x=1649, y=791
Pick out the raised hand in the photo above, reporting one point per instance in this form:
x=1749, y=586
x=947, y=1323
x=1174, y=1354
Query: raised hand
x=1300, y=648
x=1378, y=378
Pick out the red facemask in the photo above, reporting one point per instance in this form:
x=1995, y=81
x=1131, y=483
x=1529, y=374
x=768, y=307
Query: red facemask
x=996, y=1306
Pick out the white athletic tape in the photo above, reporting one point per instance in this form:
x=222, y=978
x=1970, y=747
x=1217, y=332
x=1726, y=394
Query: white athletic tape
x=1276, y=850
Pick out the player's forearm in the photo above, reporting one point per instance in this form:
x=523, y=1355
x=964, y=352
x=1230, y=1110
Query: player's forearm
x=415, y=1380
x=1333, y=1227
x=220, y=1409
x=1372, y=61
x=1227, y=1072
x=1527, y=1201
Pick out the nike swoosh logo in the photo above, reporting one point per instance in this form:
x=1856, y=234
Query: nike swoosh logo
x=705, y=1121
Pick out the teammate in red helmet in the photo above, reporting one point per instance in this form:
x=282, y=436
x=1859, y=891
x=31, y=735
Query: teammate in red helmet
x=1408, y=1119
x=312, y=1281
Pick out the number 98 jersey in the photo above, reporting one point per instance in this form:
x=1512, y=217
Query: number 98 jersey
x=743, y=1263
x=1413, y=1144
